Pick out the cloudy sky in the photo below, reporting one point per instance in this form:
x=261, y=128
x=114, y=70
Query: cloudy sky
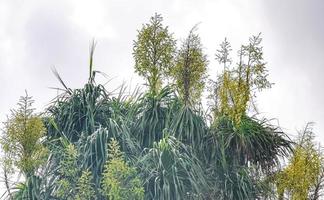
x=37, y=35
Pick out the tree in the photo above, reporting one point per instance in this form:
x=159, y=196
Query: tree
x=238, y=86
x=190, y=70
x=119, y=179
x=171, y=171
x=154, y=52
x=238, y=159
x=22, y=138
x=241, y=148
x=302, y=174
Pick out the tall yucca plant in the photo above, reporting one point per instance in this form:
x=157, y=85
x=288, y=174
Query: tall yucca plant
x=153, y=52
x=242, y=148
x=189, y=127
x=237, y=157
x=172, y=172
x=83, y=111
x=80, y=110
x=189, y=74
x=190, y=69
x=253, y=142
x=154, y=114
x=88, y=118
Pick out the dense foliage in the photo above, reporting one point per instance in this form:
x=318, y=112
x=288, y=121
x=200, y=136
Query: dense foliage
x=161, y=143
x=153, y=52
x=304, y=170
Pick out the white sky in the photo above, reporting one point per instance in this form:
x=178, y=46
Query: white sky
x=37, y=35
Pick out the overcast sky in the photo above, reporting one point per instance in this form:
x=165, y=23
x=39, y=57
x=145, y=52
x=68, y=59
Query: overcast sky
x=37, y=35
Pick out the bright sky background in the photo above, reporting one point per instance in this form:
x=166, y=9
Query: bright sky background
x=37, y=35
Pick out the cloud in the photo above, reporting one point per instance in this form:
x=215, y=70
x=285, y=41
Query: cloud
x=296, y=63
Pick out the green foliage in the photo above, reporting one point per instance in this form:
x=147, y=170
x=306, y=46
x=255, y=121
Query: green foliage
x=22, y=138
x=68, y=173
x=189, y=127
x=242, y=151
x=20, y=191
x=190, y=70
x=155, y=113
x=29, y=190
x=215, y=88
x=256, y=142
x=172, y=171
x=239, y=157
x=303, y=171
x=235, y=183
x=79, y=111
x=85, y=187
x=236, y=87
x=154, y=52
x=93, y=154
x=234, y=97
x=120, y=181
